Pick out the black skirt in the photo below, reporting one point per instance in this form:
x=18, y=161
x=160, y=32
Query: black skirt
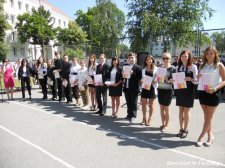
x=148, y=94
x=165, y=96
x=209, y=99
x=185, y=97
x=115, y=91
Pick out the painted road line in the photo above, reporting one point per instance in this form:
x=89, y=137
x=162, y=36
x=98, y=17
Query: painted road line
x=38, y=148
x=209, y=162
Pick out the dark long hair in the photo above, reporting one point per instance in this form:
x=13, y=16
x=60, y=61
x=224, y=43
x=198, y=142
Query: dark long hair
x=23, y=61
x=114, y=59
x=38, y=61
x=189, y=61
x=153, y=61
x=89, y=61
x=4, y=60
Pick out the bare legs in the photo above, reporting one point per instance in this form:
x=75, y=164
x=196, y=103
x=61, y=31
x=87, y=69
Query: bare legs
x=164, y=110
x=144, y=109
x=184, y=119
x=11, y=92
x=115, y=105
x=93, y=97
x=207, y=126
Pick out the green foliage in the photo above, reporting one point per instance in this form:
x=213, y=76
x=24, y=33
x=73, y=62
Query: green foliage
x=104, y=25
x=4, y=50
x=36, y=28
x=73, y=35
x=3, y=22
x=219, y=39
x=174, y=21
x=78, y=53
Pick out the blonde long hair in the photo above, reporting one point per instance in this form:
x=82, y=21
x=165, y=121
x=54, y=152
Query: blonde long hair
x=216, y=59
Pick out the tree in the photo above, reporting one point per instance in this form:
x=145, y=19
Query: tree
x=71, y=36
x=3, y=27
x=219, y=39
x=173, y=21
x=36, y=28
x=104, y=25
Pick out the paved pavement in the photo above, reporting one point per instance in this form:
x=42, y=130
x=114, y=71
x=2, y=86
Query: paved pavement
x=48, y=134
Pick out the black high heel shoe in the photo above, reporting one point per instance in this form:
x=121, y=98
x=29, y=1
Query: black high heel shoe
x=184, y=134
x=180, y=133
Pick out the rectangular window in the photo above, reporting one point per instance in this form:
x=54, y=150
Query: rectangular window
x=12, y=19
x=27, y=8
x=64, y=23
x=59, y=22
x=13, y=36
x=14, y=51
x=19, y=5
x=22, y=51
x=12, y=3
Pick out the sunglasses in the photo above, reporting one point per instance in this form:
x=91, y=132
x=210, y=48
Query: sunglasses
x=165, y=58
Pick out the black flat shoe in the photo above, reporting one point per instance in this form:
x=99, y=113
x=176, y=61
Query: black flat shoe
x=180, y=133
x=184, y=134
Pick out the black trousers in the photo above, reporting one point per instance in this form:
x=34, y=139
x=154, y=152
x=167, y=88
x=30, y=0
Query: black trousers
x=101, y=92
x=43, y=83
x=54, y=89
x=131, y=100
x=59, y=88
x=25, y=80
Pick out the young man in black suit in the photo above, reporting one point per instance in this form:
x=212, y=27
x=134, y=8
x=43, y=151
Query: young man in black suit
x=101, y=89
x=131, y=87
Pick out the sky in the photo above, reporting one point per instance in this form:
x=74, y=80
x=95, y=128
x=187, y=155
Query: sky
x=69, y=7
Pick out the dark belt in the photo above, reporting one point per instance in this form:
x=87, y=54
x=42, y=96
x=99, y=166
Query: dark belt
x=74, y=73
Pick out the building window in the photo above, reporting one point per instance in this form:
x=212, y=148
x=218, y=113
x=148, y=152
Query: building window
x=19, y=5
x=12, y=19
x=59, y=22
x=11, y=3
x=64, y=23
x=13, y=36
x=22, y=51
x=27, y=8
x=14, y=51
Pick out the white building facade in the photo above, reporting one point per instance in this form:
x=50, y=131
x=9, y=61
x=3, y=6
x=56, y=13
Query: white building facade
x=13, y=8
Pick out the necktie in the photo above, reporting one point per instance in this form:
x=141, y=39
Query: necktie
x=101, y=66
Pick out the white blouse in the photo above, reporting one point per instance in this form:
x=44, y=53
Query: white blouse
x=74, y=70
x=82, y=76
x=210, y=68
x=113, y=75
x=92, y=71
x=24, y=72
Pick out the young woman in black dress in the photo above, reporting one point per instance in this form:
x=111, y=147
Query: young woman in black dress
x=115, y=90
x=165, y=90
x=148, y=96
x=185, y=97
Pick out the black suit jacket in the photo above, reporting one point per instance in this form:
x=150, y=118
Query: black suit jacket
x=134, y=79
x=104, y=71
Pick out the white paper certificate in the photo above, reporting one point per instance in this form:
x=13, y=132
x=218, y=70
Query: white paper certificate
x=205, y=82
x=56, y=75
x=98, y=79
x=49, y=81
x=161, y=73
x=179, y=82
x=147, y=81
x=40, y=76
x=65, y=82
x=127, y=71
x=109, y=82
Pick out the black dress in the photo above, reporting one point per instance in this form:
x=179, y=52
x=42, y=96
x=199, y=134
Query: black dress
x=165, y=90
x=116, y=91
x=185, y=97
x=148, y=94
